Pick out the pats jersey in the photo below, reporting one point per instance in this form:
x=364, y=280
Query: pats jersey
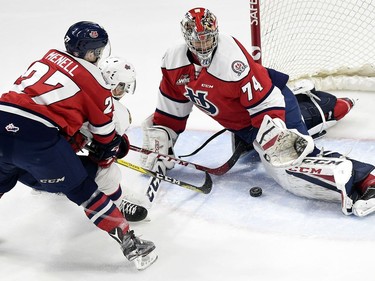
x=65, y=91
x=233, y=90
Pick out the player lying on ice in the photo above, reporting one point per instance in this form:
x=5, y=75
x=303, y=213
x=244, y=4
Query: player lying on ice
x=215, y=73
x=50, y=103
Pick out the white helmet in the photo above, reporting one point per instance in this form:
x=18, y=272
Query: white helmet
x=120, y=75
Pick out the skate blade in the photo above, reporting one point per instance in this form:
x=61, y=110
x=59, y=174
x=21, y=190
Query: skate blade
x=142, y=263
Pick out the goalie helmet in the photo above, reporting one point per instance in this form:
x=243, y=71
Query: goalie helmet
x=120, y=75
x=86, y=36
x=200, y=30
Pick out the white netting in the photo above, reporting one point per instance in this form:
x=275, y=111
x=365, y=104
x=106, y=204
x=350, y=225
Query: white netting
x=321, y=38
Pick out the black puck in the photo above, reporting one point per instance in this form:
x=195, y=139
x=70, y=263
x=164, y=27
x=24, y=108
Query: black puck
x=255, y=191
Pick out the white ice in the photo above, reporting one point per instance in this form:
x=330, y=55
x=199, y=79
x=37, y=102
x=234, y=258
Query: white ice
x=226, y=235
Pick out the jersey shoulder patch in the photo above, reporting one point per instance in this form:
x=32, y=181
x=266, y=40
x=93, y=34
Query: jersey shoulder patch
x=229, y=63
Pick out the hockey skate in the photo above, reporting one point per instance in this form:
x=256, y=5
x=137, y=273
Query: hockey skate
x=139, y=251
x=132, y=212
x=366, y=203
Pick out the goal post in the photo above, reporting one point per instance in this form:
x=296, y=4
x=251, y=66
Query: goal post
x=331, y=42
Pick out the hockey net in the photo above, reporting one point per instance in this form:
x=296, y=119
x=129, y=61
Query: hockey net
x=331, y=42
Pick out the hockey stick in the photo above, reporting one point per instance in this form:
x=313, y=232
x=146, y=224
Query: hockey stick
x=205, y=188
x=214, y=171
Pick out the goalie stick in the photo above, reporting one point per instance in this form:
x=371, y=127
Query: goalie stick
x=214, y=171
x=205, y=188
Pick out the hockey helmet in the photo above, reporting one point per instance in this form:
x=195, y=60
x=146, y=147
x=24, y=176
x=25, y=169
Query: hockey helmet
x=120, y=75
x=85, y=36
x=200, y=30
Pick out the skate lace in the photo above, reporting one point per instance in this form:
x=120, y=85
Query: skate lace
x=129, y=208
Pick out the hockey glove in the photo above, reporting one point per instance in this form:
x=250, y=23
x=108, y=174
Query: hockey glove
x=124, y=147
x=77, y=141
x=105, y=154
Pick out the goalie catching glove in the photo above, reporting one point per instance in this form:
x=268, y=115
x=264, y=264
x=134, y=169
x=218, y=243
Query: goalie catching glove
x=279, y=146
x=160, y=139
x=106, y=154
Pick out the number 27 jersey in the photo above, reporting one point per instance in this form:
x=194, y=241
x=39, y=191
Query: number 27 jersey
x=66, y=91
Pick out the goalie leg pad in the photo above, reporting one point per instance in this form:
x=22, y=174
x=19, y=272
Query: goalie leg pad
x=321, y=178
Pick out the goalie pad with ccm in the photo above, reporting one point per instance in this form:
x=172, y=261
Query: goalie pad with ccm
x=323, y=178
x=160, y=139
x=279, y=146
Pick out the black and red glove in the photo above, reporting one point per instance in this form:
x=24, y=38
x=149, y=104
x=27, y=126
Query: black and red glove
x=77, y=141
x=106, y=154
x=124, y=147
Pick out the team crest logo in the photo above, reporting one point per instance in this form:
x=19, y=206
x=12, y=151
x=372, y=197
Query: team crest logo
x=238, y=67
x=94, y=34
x=201, y=101
x=183, y=80
x=11, y=128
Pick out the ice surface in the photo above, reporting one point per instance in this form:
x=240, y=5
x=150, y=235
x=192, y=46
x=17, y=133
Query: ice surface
x=226, y=235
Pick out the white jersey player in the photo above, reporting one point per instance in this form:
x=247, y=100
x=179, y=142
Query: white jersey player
x=215, y=73
x=120, y=75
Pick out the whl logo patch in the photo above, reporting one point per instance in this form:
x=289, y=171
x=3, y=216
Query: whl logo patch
x=11, y=128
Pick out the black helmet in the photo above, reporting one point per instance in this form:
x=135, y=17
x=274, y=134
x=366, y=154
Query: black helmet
x=84, y=36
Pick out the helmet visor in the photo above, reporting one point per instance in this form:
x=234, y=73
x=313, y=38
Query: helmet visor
x=102, y=53
x=123, y=88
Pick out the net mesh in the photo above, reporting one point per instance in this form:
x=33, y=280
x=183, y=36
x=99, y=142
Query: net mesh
x=319, y=38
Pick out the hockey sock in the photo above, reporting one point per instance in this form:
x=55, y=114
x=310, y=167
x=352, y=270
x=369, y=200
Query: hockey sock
x=116, y=196
x=104, y=214
x=342, y=107
x=367, y=182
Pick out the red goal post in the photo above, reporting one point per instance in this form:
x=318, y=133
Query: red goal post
x=331, y=42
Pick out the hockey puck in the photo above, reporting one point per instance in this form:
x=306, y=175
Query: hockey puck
x=255, y=191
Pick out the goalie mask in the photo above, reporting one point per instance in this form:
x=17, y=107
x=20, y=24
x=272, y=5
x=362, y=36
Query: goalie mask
x=200, y=30
x=120, y=75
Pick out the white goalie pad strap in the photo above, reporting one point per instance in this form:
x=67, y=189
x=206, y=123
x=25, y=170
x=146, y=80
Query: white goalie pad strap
x=343, y=173
x=318, y=129
x=160, y=139
x=305, y=87
x=279, y=146
x=302, y=87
